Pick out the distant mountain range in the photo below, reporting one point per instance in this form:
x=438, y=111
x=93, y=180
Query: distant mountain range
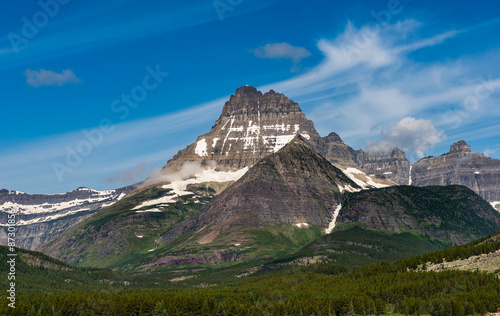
x=43, y=217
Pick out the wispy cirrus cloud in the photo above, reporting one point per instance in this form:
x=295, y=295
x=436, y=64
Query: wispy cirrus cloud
x=72, y=32
x=368, y=89
x=369, y=80
x=42, y=77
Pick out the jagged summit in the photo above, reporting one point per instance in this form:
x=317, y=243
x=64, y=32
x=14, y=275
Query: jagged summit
x=460, y=146
x=333, y=137
x=248, y=100
x=252, y=125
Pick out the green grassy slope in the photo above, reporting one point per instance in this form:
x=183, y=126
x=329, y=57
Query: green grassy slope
x=357, y=246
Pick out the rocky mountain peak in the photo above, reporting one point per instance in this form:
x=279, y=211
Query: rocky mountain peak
x=252, y=125
x=333, y=137
x=248, y=100
x=460, y=146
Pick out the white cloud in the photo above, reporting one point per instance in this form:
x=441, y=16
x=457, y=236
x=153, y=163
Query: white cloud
x=490, y=152
x=44, y=77
x=281, y=50
x=414, y=136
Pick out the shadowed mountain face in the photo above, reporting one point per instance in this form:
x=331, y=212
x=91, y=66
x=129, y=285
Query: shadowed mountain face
x=463, y=167
x=296, y=185
x=454, y=214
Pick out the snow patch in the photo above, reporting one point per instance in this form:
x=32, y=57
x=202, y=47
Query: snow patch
x=275, y=143
x=178, y=188
x=331, y=226
x=277, y=127
x=165, y=199
x=46, y=218
x=201, y=148
x=96, y=197
x=214, y=141
x=151, y=210
x=347, y=188
x=299, y=225
x=409, y=177
x=496, y=205
x=351, y=172
x=206, y=175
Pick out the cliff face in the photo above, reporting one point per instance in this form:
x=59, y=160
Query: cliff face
x=30, y=236
x=463, y=167
x=252, y=125
x=392, y=165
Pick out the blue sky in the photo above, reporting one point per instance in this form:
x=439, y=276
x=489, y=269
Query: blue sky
x=416, y=74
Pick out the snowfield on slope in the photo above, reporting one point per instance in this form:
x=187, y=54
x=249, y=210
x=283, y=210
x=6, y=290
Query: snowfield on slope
x=178, y=188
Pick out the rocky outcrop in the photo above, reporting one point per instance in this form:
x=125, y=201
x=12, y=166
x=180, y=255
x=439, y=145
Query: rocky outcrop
x=30, y=236
x=460, y=166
